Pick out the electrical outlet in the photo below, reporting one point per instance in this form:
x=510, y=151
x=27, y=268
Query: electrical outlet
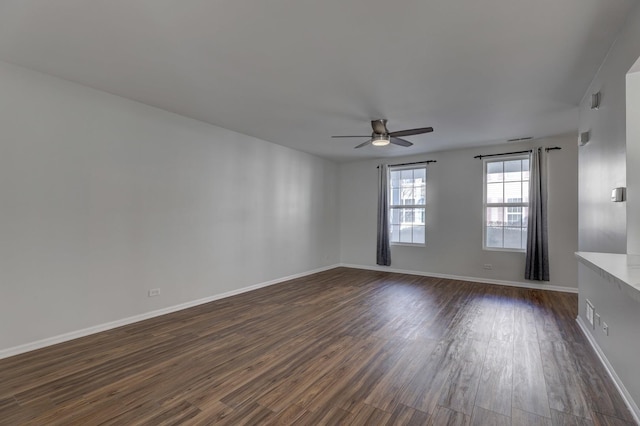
x=605, y=328
x=488, y=266
x=154, y=292
x=589, y=311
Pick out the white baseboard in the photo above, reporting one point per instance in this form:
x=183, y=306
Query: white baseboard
x=462, y=278
x=5, y=353
x=633, y=407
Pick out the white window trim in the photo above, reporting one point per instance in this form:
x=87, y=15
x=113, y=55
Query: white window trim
x=485, y=204
x=424, y=206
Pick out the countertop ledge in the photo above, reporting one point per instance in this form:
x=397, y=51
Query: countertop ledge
x=623, y=270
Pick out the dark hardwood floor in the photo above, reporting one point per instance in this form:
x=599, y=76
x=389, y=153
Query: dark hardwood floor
x=340, y=347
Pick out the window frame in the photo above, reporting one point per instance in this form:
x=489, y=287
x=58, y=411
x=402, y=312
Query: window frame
x=486, y=205
x=407, y=206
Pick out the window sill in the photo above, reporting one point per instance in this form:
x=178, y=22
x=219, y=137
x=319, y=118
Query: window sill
x=409, y=244
x=509, y=250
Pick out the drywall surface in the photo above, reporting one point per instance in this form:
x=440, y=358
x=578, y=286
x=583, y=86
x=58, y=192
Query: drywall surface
x=602, y=162
x=612, y=159
x=621, y=343
x=454, y=216
x=103, y=199
x=633, y=162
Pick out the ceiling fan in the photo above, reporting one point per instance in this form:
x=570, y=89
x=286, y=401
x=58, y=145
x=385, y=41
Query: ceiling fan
x=381, y=136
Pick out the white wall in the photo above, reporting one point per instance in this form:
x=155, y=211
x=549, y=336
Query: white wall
x=454, y=216
x=602, y=163
x=609, y=161
x=102, y=198
x=633, y=161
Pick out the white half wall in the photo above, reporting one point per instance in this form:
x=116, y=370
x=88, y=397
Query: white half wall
x=618, y=348
x=454, y=216
x=102, y=199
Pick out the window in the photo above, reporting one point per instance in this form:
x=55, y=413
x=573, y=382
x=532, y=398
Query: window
x=407, y=195
x=506, y=203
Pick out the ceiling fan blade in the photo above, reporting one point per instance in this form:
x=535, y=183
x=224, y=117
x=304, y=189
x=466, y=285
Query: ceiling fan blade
x=379, y=126
x=411, y=132
x=361, y=136
x=401, y=142
x=363, y=144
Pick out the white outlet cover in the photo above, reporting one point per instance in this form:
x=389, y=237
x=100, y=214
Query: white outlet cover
x=589, y=312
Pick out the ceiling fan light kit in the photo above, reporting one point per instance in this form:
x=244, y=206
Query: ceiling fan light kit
x=381, y=136
x=380, y=140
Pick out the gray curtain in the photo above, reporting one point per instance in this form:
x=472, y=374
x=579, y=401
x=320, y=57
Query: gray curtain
x=383, y=249
x=537, y=262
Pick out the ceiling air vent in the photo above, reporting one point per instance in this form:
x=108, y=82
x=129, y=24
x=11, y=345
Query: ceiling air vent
x=520, y=139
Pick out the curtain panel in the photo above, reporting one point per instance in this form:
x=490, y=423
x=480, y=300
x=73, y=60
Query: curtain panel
x=383, y=249
x=537, y=259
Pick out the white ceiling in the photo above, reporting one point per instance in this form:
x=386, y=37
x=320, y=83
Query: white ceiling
x=295, y=72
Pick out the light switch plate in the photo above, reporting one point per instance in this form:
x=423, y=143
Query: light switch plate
x=618, y=195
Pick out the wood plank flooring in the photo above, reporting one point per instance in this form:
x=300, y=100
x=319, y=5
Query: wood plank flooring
x=344, y=346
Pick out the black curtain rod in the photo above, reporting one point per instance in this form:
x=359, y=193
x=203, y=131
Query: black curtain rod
x=516, y=152
x=410, y=164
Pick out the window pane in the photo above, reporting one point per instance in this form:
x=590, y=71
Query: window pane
x=495, y=192
x=524, y=238
x=513, y=238
x=495, y=216
x=394, y=218
x=395, y=179
x=405, y=234
x=525, y=192
x=395, y=196
x=418, y=234
x=406, y=196
x=494, y=237
x=494, y=172
x=395, y=233
x=418, y=216
x=513, y=192
x=407, y=216
x=420, y=175
x=514, y=216
x=419, y=194
x=513, y=170
x=407, y=176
